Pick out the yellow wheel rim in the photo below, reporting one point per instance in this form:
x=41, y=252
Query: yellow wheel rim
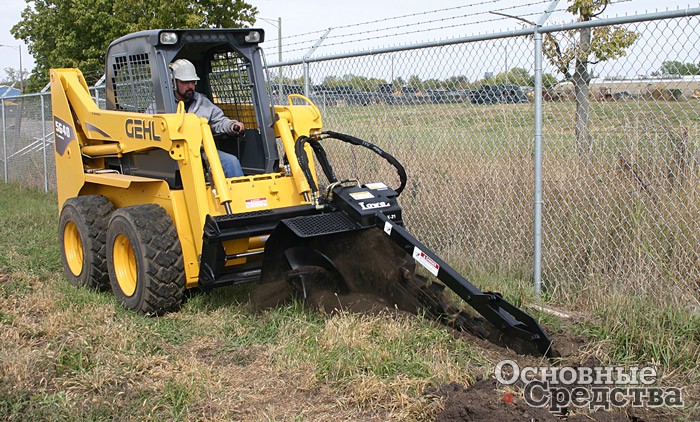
x=125, y=265
x=73, y=248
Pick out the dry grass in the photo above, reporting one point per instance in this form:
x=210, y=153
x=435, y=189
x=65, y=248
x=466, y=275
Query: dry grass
x=73, y=354
x=626, y=217
x=70, y=354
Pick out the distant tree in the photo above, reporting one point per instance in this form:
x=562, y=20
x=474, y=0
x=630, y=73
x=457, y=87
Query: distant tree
x=363, y=83
x=457, y=82
x=433, y=84
x=678, y=68
x=573, y=51
x=520, y=76
x=13, y=77
x=332, y=80
x=375, y=83
x=398, y=84
x=414, y=81
x=549, y=80
x=516, y=76
x=76, y=33
x=360, y=83
x=275, y=80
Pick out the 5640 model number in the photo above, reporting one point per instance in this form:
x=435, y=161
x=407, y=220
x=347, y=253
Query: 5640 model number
x=63, y=129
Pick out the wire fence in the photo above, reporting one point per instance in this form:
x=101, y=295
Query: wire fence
x=619, y=188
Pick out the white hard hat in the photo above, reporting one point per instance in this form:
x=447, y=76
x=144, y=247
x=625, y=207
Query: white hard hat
x=183, y=70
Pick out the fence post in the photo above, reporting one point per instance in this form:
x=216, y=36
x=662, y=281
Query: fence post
x=307, y=56
x=537, y=261
x=537, y=264
x=43, y=142
x=4, y=140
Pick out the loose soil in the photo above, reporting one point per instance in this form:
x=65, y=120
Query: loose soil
x=486, y=401
x=345, y=287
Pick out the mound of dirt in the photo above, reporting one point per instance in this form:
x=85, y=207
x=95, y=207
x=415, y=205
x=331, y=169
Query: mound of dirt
x=364, y=271
x=361, y=271
x=485, y=401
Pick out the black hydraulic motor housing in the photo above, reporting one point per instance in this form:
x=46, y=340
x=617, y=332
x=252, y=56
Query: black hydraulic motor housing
x=362, y=203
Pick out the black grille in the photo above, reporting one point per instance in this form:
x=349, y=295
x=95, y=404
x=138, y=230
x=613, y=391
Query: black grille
x=318, y=225
x=131, y=83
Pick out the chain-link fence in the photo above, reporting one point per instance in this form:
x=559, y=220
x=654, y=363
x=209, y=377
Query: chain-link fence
x=620, y=154
x=27, y=137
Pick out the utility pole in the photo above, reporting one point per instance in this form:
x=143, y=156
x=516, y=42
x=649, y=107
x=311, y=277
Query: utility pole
x=279, y=55
x=21, y=70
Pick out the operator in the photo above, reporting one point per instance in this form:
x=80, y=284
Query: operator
x=186, y=78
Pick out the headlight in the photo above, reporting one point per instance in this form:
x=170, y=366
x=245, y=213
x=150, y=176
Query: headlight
x=168, y=38
x=253, y=37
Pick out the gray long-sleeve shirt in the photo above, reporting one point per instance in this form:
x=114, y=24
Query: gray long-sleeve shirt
x=203, y=107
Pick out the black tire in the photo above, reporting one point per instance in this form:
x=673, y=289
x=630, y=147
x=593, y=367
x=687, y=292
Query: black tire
x=82, y=233
x=145, y=261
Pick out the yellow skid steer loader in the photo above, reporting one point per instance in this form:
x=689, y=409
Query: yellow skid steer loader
x=145, y=207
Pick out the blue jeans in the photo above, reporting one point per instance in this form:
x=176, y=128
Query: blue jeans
x=232, y=167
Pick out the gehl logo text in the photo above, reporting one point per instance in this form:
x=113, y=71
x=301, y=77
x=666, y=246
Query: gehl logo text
x=141, y=129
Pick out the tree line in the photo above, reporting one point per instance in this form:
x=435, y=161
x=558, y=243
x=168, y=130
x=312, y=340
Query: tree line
x=516, y=76
x=76, y=33
x=676, y=67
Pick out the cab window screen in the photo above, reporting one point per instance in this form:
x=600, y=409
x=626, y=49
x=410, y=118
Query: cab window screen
x=231, y=87
x=131, y=83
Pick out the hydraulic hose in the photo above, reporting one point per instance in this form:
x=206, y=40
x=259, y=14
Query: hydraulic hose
x=320, y=156
x=357, y=141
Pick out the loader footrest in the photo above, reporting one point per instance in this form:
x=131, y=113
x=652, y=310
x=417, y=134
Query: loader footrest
x=219, y=229
x=237, y=226
x=321, y=224
x=225, y=279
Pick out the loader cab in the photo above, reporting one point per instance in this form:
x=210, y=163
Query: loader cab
x=230, y=67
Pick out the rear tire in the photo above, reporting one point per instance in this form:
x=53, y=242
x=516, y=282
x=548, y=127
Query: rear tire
x=82, y=236
x=145, y=261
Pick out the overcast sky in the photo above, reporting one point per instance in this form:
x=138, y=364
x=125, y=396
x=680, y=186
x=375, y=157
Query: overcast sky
x=313, y=17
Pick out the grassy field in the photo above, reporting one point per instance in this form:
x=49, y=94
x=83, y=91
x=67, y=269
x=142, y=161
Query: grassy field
x=626, y=217
x=70, y=354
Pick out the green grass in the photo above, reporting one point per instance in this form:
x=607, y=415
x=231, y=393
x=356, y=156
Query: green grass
x=74, y=354
x=70, y=354
x=637, y=331
x=25, y=211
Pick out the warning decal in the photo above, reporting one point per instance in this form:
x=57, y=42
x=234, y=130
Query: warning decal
x=387, y=228
x=426, y=261
x=256, y=202
x=377, y=186
x=361, y=195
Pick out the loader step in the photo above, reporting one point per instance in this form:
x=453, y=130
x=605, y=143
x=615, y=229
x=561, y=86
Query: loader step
x=237, y=226
x=234, y=277
x=218, y=229
x=322, y=224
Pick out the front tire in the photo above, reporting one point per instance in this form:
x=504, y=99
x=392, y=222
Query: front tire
x=145, y=261
x=82, y=235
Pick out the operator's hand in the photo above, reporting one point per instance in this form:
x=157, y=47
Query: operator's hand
x=238, y=128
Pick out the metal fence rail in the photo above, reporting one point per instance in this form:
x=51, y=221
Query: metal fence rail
x=621, y=216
